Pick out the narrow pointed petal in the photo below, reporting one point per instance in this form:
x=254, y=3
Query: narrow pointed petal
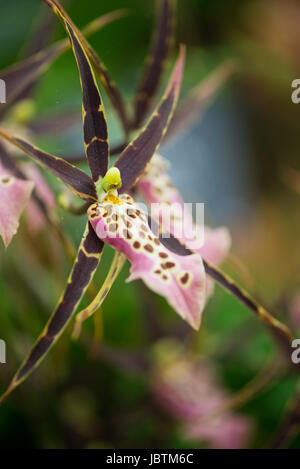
x=76, y=179
x=198, y=100
x=139, y=152
x=156, y=187
x=20, y=77
x=88, y=257
x=14, y=196
x=94, y=121
x=155, y=62
x=181, y=280
x=102, y=73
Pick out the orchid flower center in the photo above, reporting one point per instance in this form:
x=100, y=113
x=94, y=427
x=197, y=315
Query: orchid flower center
x=107, y=188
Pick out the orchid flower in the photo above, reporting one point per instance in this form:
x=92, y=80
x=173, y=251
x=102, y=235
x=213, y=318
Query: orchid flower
x=114, y=218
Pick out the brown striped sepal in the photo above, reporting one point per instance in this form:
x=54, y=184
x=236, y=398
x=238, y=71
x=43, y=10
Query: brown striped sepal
x=86, y=263
x=94, y=121
x=102, y=73
x=76, y=179
x=155, y=62
x=134, y=159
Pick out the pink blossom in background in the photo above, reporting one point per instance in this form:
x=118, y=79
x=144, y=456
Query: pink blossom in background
x=187, y=389
x=14, y=197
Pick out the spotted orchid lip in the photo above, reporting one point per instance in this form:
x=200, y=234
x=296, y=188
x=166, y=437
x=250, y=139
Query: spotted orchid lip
x=181, y=280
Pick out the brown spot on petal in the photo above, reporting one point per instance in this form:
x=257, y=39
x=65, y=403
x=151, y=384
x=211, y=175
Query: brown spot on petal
x=185, y=278
x=163, y=255
x=148, y=248
x=136, y=245
x=157, y=242
x=5, y=180
x=115, y=217
x=158, y=271
x=169, y=265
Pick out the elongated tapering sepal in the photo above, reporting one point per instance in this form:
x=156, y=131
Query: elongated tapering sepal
x=139, y=152
x=94, y=121
x=87, y=260
x=102, y=73
x=76, y=179
x=154, y=65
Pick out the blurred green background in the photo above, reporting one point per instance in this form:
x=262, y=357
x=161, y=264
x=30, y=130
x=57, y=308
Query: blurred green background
x=87, y=396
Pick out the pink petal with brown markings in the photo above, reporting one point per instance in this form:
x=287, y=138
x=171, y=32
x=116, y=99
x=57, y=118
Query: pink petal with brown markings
x=14, y=196
x=181, y=280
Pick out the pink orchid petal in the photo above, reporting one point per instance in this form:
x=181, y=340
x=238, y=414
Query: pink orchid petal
x=189, y=391
x=180, y=279
x=14, y=196
x=36, y=219
x=156, y=187
x=228, y=432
